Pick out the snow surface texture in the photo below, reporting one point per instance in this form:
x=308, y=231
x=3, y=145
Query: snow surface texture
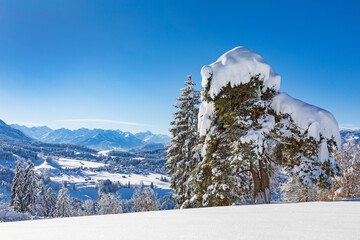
x=7, y=215
x=236, y=67
x=316, y=220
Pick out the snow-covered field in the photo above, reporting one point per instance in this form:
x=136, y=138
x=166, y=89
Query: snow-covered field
x=316, y=220
x=91, y=172
x=88, y=174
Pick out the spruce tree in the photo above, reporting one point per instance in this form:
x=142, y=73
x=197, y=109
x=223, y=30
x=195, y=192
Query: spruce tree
x=30, y=188
x=181, y=152
x=40, y=206
x=17, y=189
x=50, y=203
x=63, y=204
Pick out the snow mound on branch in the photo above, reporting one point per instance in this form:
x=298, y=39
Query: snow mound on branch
x=235, y=67
x=238, y=66
x=308, y=117
x=206, y=111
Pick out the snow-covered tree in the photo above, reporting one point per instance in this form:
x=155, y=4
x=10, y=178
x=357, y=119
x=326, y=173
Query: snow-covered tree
x=76, y=207
x=108, y=203
x=181, y=153
x=50, y=203
x=293, y=191
x=63, y=204
x=248, y=129
x=40, y=204
x=347, y=186
x=17, y=189
x=144, y=199
x=30, y=188
x=89, y=207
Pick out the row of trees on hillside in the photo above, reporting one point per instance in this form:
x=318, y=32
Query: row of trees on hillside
x=29, y=196
x=246, y=146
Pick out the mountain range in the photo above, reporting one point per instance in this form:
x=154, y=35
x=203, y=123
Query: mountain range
x=98, y=139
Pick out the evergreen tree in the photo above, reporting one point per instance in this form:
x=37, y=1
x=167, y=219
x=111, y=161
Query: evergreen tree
x=181, y=152
x=63, y=204
x=30, y=188
x=40, y=206
x=50, y=203
x=17, y=189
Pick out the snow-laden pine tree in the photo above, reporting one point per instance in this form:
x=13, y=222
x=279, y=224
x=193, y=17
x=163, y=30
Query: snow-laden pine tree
x=63, y=203
x=30, y=187
x=144, y=199
x=248, y=128
x=182, y=156
x=50, y=203
x=40, y=204
x=17, y=189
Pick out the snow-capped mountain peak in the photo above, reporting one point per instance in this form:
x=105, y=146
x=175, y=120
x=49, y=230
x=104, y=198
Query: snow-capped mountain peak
x=98, y=139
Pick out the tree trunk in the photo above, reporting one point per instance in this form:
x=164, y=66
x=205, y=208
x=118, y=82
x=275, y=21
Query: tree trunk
x=261, y=179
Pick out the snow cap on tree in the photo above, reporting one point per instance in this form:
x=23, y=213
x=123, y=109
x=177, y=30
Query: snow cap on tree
x=236, y=67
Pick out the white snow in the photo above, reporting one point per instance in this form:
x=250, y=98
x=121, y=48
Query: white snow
x=316, y=220
x=316, y=120
x=238, y=66
x=235, y=67
x=308, y=117
x=86, y=174
x=104, y=153
x=206, y=111
x=75, y=163
x=7, y=215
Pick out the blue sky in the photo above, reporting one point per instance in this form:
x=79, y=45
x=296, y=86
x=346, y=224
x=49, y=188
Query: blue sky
x=120, y=64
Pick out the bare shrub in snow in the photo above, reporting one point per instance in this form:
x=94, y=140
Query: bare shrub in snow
x=144, y=199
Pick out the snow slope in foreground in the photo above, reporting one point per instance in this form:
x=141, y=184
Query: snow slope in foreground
x=316, y=220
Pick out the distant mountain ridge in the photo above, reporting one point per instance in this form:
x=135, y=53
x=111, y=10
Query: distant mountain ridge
x=98, y=139
x=7, y=131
